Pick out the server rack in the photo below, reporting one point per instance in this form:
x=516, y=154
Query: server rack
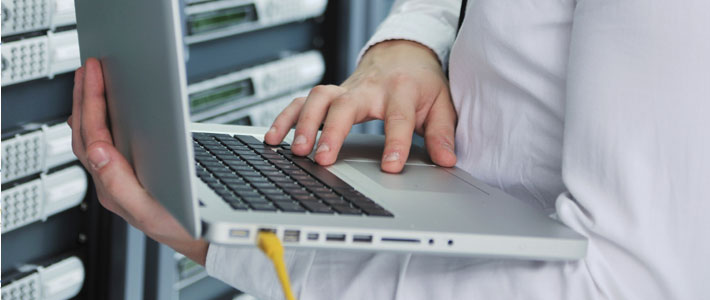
x=231, y=44
x=55, y=241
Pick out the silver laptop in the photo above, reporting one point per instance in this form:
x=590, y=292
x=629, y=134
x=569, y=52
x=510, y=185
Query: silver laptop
x=221, y=182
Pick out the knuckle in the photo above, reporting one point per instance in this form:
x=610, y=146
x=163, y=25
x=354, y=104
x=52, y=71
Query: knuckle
x=299, y=101
x=320, y=89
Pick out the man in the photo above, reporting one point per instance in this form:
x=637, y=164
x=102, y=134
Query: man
x=596, y=111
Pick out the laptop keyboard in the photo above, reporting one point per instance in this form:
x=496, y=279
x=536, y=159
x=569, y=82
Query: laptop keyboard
x=250, y=175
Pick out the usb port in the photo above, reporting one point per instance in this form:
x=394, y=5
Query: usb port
x=335, y=237
x=359, y=238
x=267, y=230
x=292, y=236
x=312, y=236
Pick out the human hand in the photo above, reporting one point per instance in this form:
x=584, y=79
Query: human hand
x=400, y=82
x=117, y=186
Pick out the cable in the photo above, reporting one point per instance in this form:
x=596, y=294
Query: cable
x=272, y=248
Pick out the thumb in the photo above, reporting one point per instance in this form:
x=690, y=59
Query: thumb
x=111, y=170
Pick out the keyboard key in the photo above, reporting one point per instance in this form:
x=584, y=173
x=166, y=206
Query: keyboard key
x=212, y=164
x=281, y=179
x=248, y=139
x=289, y=185
x=237, y=180
x=321, y=189
x=247, y=194
x=227, y=139
x=295, y=172
x=290, y=207
x=266, y=168
x=270, y=191
x=251, y=157
x=219, y=152
x=241, y=169
x=263, y=185
x=377, y=212
x=272, y=174
x=255, y=179
x=240, y=187
x=346, y=210
x=335, y=201
x=319, y=172
x=260, y=163
x=255, y=200
x=239, y=206
x=316, y=207
x=236, y=146
x=304, y=197
x=271, y=155
x=279, y=198
x=263, y=207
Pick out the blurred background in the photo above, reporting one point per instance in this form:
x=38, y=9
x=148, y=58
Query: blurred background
x=247, y=59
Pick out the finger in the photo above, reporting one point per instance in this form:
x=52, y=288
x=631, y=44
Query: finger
x=399, y=127
x=115, y=180
x=311, y=117
x=94, y=127
x=439, y=131
x=284, y=121
x=77, y=143
x=340, y=119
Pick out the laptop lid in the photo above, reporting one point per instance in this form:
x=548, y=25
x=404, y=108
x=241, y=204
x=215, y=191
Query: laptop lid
x=139, y=44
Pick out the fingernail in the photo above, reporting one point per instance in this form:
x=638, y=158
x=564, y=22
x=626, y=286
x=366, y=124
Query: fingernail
x=98, y=158
x=300, y=140
x=394, y=156
x=322, y=148
x=272, y=130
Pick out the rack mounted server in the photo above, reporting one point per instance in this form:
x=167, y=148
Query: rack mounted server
x=209, y=20
x=60, y=280
x=231, y=92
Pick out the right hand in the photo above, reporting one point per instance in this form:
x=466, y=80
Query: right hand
x=400, y=82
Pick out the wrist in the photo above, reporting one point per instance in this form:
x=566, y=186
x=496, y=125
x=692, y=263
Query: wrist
x=390, y=46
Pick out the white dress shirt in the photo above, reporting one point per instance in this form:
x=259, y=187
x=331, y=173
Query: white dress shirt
x=598, y=111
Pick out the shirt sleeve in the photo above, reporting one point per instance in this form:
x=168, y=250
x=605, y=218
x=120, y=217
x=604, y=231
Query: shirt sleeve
x=430, y=23
x=635, y=166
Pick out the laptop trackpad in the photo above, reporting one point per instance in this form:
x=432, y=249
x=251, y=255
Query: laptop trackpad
x=414, y=178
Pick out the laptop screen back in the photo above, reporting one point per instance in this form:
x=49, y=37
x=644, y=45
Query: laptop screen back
x=139, y=44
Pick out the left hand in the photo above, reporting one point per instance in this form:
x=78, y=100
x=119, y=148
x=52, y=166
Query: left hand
x=117, y=186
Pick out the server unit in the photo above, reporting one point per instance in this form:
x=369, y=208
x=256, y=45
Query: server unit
x=51, y=223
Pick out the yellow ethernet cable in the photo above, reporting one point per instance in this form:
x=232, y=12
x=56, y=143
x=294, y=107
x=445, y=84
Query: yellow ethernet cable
x=272, y=248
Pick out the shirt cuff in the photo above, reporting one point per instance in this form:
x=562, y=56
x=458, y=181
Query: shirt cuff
x=418, y=27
